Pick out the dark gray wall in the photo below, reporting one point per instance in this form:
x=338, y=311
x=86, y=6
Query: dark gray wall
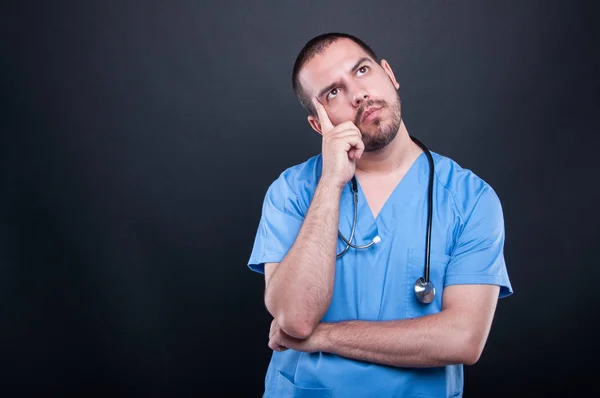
x=138, y=139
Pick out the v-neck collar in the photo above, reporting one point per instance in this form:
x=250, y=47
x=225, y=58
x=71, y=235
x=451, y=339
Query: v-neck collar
x=412, y=175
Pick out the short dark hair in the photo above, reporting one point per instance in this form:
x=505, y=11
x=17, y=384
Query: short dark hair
x=315, y=46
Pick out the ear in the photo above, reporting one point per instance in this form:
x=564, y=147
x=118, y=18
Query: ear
x=314, y=123
x=388, y=69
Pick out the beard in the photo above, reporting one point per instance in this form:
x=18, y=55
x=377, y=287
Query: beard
x=378, y=133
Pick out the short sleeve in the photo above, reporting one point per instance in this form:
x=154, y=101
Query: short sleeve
x=478, y=256
x=281, y=218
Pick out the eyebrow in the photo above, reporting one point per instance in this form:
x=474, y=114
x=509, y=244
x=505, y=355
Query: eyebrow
x=356, y=65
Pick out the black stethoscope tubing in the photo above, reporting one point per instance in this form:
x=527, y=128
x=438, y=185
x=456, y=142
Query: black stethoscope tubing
x=424, y=288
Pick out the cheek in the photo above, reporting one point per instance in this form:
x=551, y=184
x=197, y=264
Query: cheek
x=342, y=113
x=386, y=88
x=389, y=92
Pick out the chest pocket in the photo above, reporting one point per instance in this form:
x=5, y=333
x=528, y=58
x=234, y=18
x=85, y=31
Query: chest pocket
x=416, y=269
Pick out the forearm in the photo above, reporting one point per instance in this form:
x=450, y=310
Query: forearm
x=434, y=340
x=300, y=290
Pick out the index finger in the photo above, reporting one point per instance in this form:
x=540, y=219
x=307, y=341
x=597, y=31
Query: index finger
x=326, y=124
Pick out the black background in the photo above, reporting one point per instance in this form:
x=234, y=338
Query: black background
x=139, y=138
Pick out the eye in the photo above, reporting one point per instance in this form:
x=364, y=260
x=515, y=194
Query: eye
x=332, y=93
x=362, y=70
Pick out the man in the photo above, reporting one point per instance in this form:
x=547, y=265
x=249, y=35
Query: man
x=352, y=325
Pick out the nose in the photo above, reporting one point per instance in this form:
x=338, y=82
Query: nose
x=360, y=96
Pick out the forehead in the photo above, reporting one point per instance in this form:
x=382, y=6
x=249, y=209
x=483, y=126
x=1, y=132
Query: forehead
x=329, y=65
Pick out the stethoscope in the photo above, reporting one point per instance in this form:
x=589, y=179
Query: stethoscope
x=424, y=289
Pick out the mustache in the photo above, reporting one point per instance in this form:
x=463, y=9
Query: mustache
x=365, y=106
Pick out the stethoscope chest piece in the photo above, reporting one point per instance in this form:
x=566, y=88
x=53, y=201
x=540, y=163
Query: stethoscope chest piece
x=425, y=291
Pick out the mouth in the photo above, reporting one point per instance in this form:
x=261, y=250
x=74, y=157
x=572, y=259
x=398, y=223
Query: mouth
x=369, y=114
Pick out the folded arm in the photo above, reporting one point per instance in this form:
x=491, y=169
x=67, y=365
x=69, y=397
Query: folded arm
x=299, y=289
x=455, y=335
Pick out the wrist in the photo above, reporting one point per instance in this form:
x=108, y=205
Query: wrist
x=323, y=336
x=331, y=184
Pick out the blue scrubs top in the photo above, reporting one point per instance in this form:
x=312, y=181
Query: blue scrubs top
x=376, y=284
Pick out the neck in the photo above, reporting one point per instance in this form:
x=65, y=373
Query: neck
x=400, y=153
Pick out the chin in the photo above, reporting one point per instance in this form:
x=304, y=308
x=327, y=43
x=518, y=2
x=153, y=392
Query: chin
x=379, y=135
x=375, y=126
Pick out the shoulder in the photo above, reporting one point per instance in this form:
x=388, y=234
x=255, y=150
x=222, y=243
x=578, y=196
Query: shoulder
x=302, y=174
x=297, y=182
x=465, y=188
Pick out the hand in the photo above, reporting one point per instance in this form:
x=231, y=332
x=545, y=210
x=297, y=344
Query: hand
x=276, y=338
x=342, y=146
x=280, y=341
